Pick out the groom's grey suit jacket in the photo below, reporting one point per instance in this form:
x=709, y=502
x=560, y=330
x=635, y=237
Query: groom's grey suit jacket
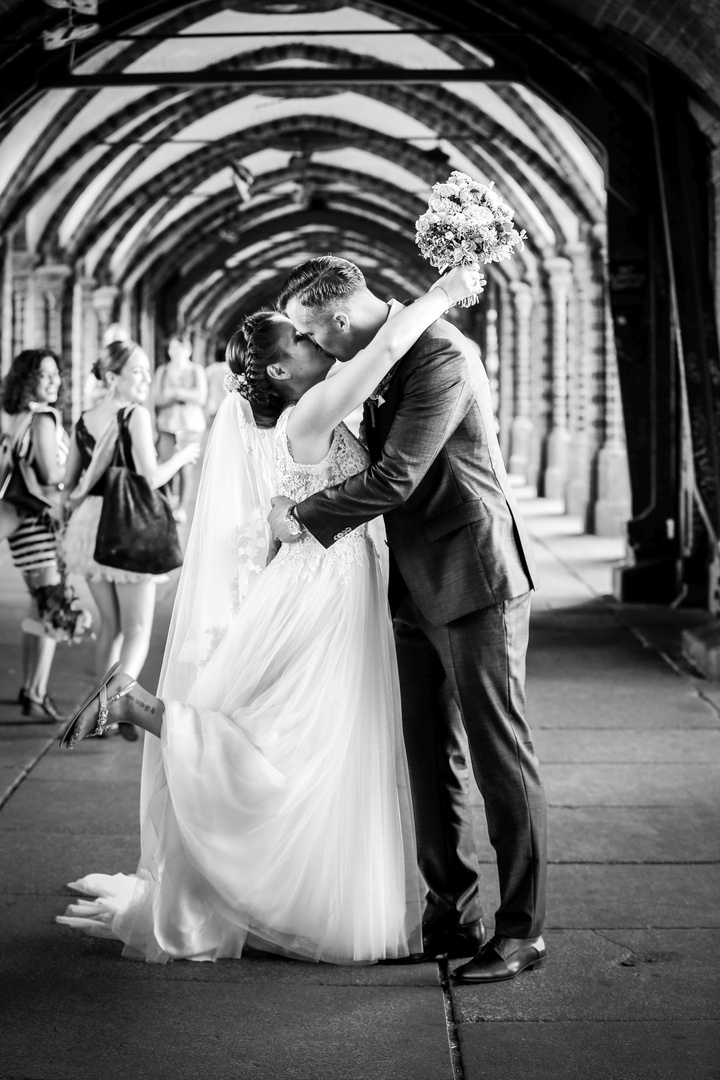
x=437, y=475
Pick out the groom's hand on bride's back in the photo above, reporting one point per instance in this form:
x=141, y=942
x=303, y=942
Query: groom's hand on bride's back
x=282, y=529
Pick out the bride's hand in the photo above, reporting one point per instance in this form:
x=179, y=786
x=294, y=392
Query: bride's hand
x=273, y=548
x=461, y=281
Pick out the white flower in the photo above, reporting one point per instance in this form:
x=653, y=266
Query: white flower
x=466, y=222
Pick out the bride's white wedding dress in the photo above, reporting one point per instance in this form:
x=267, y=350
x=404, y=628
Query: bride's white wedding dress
x=276, y=811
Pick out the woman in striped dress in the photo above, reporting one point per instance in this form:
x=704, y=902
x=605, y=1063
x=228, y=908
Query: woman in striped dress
x=32, y=386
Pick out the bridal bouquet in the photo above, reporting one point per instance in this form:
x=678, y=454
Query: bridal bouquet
x=466, y=222
x=61, y=616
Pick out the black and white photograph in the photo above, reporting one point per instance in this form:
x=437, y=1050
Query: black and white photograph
x=359, y=540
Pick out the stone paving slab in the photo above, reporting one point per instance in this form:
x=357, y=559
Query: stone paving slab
x=19, y=747
x=686, y=834
x=603, y=896
x=663, y=747
x=109, y=758
x=608, y=976
x=632, y=785
x=685, y=1050
x=622, y=834
x=90, y=807
x=561, y=704
x=57, y=858
x=94, y=1027
x=31, y=940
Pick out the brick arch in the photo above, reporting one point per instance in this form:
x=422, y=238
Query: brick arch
x=310, y=130
x=436, y=108
x=222, y=208
x=123, y=17
x=213, y=255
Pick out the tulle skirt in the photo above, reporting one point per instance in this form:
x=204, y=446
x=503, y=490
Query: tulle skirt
x=277, y=804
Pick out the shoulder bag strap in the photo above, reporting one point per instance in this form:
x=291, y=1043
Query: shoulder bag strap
x=122, y=457
x=21, y=439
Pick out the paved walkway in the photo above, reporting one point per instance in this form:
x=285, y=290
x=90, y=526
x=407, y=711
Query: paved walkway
x=630, y=745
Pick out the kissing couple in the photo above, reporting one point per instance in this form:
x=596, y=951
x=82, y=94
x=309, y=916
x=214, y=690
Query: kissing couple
x=305, y=791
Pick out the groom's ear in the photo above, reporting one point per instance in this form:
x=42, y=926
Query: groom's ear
x=341, y=321
x=276, y=371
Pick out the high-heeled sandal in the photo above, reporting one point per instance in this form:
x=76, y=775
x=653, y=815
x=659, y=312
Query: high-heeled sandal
x=103, y=717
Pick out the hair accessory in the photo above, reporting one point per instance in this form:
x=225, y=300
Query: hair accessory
x=240, y=383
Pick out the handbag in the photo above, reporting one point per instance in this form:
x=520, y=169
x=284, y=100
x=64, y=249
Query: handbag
x=19, y=484
x=137, y=531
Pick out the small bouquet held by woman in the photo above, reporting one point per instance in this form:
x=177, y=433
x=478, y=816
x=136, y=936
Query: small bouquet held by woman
x=466, y=222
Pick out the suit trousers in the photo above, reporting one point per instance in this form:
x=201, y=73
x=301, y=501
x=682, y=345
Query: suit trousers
x=463, y=689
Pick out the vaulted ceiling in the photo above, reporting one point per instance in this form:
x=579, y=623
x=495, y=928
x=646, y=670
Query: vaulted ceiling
x=198, y=150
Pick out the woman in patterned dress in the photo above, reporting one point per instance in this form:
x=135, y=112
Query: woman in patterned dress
x=29, y=393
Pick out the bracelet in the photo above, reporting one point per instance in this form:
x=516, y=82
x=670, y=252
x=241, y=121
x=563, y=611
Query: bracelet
x=447, y=296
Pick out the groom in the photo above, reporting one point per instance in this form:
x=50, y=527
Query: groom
x=461, y=573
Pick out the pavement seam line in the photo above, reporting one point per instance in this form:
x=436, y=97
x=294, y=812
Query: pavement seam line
x=451, y=1025
x=23, y=775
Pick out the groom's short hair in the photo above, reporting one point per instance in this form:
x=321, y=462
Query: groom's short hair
x=320, y=282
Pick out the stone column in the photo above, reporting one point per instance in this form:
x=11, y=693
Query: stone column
x=577, y=492
x=50, y=282
x=84, y=342
x=506, y=350
x=613, y=506
x=522, y=425
x=7, y=352
x=491, y=356
x=146, y=326
x=104, y=299
x=558, y=443
x=22, y=319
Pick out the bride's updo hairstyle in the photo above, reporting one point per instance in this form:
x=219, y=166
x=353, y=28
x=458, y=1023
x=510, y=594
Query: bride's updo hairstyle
x=249, y=352
x=113, y=359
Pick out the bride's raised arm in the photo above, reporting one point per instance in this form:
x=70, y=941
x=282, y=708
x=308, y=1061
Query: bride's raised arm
x=322, y=407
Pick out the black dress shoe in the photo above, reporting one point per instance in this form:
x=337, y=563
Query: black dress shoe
x=503, y=958
x=43, y=712
x=456, y=944
x=128, y=731
x=447, y=945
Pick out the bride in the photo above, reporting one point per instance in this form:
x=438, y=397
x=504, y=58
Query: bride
x=275, y=810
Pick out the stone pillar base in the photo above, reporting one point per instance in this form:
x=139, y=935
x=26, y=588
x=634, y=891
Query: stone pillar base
x=610, y=517
x=612, y=508
x=577, y=487
x=521, y=431
x=555, y=476
x=653, y=581
x=701, y=647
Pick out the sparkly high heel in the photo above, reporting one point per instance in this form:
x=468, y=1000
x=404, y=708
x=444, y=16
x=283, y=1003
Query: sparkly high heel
x=67, y=742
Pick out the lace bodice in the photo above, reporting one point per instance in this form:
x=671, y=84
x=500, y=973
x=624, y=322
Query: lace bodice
x=296, y=481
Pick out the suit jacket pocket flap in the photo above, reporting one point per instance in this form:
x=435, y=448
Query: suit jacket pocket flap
x=450, y=520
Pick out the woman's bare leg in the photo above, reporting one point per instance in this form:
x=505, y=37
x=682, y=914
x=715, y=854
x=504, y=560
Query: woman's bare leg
x=38, y=651
x=109, y=636
x=44, y=656
x=137, y=612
